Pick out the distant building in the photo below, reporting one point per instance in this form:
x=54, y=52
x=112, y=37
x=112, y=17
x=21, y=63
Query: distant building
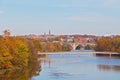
x=6, y=33
x=80, y=40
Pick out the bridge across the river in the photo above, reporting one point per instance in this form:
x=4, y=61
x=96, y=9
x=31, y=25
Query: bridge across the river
x=84, y=52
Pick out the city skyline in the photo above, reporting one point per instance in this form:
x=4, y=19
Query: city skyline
x=61, y=17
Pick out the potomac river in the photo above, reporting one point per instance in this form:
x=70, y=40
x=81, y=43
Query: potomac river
x=83, y=66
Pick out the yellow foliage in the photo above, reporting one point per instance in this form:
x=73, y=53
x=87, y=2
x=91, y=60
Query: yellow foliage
x=108, y=44
x=13, y=52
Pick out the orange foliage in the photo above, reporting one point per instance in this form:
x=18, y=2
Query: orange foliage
x=108, y=44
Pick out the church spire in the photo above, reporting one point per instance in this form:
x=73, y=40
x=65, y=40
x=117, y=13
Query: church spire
x=49, y=32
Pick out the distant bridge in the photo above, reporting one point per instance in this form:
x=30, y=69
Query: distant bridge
x=72, y=52
x=80, y=45
x=78, y=52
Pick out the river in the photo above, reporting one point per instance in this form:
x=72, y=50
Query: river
x=70, y=66
x=84, y=66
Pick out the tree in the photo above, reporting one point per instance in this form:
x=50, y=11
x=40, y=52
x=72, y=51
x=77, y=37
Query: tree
x=108, y=44
x=88, y=47
x=66, y=47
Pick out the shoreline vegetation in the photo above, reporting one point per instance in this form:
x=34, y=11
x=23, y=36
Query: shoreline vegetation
x=17, y=56
x=108, y=44
x=19, y=52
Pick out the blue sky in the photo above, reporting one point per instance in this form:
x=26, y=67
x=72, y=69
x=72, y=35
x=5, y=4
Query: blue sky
x=60, y=16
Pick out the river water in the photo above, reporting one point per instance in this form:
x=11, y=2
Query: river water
x=83, y=66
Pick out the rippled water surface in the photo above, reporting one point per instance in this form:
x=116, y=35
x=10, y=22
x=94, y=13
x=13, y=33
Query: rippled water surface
x=83, y=66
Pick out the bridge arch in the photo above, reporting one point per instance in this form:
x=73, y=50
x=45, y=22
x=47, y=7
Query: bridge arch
x=79, y=47
x=82, y=46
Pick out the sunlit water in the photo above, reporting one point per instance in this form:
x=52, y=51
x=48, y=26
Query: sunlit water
x=78, y=67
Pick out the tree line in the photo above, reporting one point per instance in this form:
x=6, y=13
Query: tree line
x=108, y=44
x=55, y=47
x=19, y=52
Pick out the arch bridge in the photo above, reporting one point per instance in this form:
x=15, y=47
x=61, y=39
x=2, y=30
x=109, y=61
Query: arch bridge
x=79, y=46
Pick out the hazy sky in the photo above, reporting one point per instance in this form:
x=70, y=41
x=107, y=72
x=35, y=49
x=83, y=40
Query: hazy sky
x=60, y=16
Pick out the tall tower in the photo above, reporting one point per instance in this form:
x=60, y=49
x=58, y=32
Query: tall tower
x=49, y=32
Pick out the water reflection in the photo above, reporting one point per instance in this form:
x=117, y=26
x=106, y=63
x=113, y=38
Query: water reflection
x=69, y=67
x=45, y=59
x=109, y=67
x=74, y=67
x=23, y=74
x=108, y=56
x=60, y=75
x=16, y=75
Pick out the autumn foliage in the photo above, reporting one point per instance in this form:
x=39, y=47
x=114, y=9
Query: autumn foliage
x=108, y=44
x=13, y=53
x=55, y=47
x=20, y=52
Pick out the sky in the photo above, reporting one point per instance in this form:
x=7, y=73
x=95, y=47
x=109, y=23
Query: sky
x=97, y=17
